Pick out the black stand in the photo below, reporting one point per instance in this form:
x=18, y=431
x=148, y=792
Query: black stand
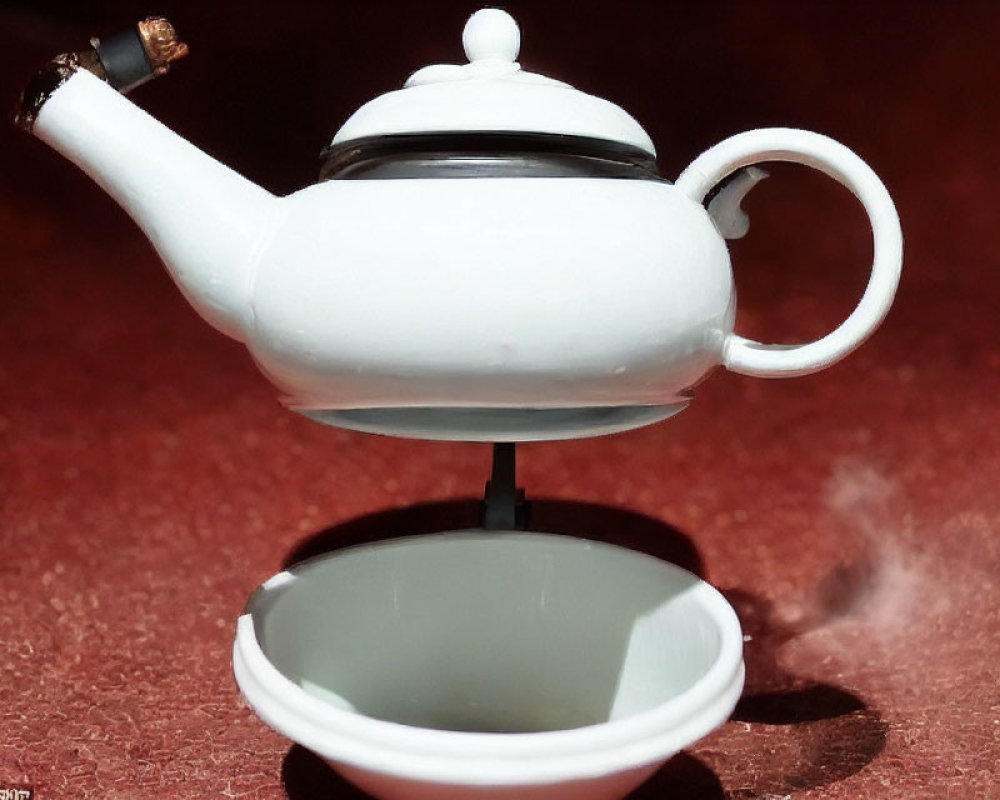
x=504, y=506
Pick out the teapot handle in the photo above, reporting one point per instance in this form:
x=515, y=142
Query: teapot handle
x=832, y=158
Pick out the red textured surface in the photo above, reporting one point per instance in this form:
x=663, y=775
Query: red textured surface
x=150, y=479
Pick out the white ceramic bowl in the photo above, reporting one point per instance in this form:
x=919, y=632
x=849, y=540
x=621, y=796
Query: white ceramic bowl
x=499, y=665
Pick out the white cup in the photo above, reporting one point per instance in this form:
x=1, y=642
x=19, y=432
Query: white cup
x=501, y=665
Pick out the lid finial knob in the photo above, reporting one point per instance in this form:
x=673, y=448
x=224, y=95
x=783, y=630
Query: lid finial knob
x=491, y=34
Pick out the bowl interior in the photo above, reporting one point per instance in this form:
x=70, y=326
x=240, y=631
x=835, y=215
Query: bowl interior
x=508, y=632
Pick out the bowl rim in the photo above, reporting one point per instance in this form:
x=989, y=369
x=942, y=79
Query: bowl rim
x=475, y=758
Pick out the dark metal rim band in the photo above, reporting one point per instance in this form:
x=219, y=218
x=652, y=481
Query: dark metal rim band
x=484, y=154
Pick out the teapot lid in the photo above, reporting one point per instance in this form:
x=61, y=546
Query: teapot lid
x=491, y=94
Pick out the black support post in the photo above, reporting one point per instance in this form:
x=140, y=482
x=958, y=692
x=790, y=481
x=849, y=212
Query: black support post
x=504, y=507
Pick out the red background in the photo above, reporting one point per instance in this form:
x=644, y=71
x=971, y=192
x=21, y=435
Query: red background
x=150, y=480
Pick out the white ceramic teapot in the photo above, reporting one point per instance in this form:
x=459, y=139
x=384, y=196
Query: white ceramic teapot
x=490, y=254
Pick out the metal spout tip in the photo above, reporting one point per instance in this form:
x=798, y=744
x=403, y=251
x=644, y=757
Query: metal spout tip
x=161, y=43
x=125, y=61
x=140, y=54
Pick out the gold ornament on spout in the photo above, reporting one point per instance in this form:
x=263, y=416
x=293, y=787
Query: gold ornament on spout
x=161, y=43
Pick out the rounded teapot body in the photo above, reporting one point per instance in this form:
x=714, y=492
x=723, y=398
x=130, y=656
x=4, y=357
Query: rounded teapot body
x=504, y=293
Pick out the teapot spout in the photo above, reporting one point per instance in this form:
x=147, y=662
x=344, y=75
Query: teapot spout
x=205, y=220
